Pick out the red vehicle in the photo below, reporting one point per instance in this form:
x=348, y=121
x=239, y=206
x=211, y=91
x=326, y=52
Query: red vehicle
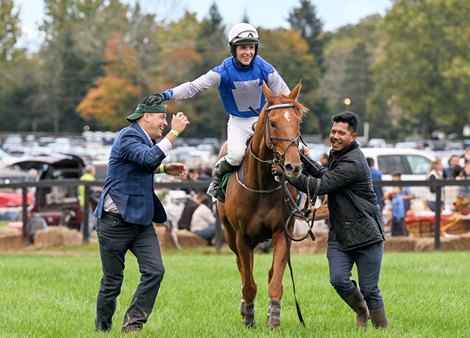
x=58, y=205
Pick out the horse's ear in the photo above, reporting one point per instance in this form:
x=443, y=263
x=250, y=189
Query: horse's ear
x=294, y=94
x=267, y=92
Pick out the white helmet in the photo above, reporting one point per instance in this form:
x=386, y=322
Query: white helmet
x=243, y=34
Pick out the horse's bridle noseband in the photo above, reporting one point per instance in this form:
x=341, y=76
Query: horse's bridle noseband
x=279, y=159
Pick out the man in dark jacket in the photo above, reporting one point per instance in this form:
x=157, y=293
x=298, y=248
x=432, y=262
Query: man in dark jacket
x=356, y=229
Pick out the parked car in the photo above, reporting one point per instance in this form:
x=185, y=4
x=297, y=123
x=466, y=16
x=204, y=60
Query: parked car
x=58, y=205
x=11, y=200
x=413, y=164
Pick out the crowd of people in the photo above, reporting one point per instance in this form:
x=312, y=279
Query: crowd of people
x=399, y=198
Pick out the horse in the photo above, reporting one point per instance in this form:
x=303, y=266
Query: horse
x=255, y=207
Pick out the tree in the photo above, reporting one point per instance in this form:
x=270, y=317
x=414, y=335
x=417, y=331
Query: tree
x=114, y=94
x=357, y=80
x=425, y=64
x=9, y=30
x=304, y=20
x=349, y=55
x=288, y=52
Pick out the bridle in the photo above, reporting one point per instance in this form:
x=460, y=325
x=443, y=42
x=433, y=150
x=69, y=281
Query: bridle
x=278, y=156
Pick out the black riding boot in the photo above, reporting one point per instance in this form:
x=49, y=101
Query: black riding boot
x=221, y=168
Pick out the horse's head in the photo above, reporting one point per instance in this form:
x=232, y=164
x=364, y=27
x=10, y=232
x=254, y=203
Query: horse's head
x=281, y=118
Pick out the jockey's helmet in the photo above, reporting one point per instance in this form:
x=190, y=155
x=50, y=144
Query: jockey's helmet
x=242, y=34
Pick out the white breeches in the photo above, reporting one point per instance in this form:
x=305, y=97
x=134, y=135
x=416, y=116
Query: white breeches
x=239, y=130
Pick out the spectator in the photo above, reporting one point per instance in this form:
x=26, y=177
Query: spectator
x=204, y=172
x=453, y=161
x=435, y=173
x=452, y=192
x=398, y=213
x=184, y=222
x=405, y=191
x=323, y=159
x=466, y=156
x=465, y=189
x=203, y=219
x=377, y=176
x=88, y=175
x=126, y=209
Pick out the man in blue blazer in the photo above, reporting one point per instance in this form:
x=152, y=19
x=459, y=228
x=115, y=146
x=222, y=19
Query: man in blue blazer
x=127, y=208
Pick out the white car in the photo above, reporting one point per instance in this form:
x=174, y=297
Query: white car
x=413, y=164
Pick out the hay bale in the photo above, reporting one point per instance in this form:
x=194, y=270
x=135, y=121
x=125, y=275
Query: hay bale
x=424, y=244
x=11, y=239
x=57, y=235
x=456, y=243
x=186, y=239
x=307, y=246
x=401, y=244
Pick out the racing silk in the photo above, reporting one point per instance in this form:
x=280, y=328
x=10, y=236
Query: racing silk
x=239, y=87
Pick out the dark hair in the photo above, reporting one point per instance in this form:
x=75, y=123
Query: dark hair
x=370, y=161
x=396, y=174
x=348, y=117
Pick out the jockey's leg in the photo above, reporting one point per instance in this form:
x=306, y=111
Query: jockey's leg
x=221, y=168
x=239, y=129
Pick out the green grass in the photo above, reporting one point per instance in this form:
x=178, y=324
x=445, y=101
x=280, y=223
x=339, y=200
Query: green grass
x=52, y=294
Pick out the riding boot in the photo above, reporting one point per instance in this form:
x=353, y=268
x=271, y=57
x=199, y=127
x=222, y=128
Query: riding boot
x=358, y=304
x=379, y=318
x=221, y=168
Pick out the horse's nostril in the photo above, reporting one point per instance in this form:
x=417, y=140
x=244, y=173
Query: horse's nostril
x=292, y=170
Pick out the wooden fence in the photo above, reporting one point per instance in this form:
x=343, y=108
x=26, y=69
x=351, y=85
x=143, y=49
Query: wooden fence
x=437, y=184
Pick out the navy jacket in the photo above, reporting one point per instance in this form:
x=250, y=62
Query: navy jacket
x=131, y=167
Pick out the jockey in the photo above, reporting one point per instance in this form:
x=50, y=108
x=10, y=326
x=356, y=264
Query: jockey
x=239, y=79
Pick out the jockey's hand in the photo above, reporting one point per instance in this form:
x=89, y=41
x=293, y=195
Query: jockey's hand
x=156, y=98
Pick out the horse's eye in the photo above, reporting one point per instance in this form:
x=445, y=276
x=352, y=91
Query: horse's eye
x=272, y=124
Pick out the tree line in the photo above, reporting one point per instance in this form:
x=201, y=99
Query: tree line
x=405, y=73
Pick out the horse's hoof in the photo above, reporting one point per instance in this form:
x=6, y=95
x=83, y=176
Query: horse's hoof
x=250, y=324
x=274, y=314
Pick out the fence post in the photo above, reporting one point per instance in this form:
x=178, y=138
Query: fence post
x=437, y=220
x=24, y=195
x=85, y=218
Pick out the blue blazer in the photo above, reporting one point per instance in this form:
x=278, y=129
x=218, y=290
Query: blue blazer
x=131, y=167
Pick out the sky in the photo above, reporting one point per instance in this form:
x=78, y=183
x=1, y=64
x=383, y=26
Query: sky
x=261, y=13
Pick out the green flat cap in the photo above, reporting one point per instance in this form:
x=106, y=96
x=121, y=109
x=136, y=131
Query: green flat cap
x=145, y=108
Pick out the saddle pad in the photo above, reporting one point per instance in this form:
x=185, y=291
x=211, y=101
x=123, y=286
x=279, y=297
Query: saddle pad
x=223, y=184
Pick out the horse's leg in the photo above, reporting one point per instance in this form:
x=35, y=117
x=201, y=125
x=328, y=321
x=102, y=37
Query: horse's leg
x=275, y=288
x=247, y=307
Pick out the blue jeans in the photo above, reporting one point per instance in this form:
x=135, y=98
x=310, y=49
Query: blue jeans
x=206, y=233
x=368, y=261
x=116, y=237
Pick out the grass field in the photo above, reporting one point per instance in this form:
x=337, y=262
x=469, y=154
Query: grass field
x=52, y=294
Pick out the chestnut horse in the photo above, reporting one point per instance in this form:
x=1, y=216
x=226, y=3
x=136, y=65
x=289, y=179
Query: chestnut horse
x=255, y=209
